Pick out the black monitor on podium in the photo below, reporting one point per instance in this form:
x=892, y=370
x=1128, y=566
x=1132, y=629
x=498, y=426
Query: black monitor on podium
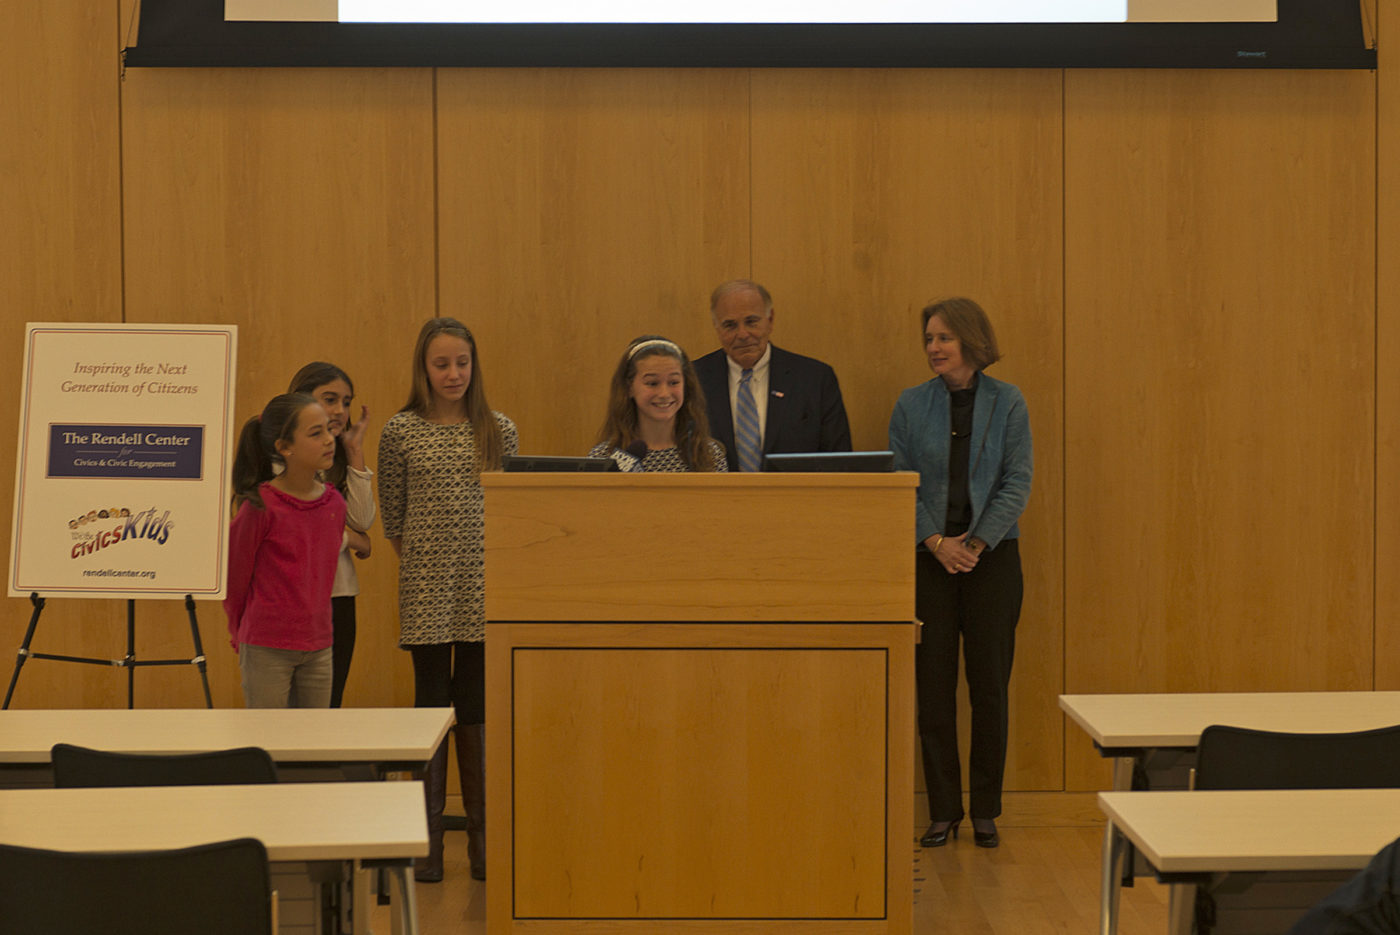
x=555, y=463
x=834, y=462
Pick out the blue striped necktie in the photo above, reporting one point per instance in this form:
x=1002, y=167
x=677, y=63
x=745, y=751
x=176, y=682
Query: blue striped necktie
x=746, y=425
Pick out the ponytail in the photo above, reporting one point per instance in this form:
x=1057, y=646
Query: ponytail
x=257, y=445
x=251, y=465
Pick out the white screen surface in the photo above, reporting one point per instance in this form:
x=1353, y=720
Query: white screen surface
x=930, y=12
x=735, y=11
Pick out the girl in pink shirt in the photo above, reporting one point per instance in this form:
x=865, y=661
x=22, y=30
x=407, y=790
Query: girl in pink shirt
x=284, y=543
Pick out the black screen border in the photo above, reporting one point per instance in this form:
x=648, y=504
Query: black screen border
x=1308, y=34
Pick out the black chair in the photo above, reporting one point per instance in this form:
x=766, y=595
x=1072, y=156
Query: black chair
x=81, y=767
x=212, y=889
x=1239, y=758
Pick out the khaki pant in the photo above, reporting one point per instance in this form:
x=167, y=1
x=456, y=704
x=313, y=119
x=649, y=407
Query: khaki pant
x=285, y=678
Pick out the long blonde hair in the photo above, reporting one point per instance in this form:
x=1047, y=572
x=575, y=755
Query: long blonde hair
x=489, y=445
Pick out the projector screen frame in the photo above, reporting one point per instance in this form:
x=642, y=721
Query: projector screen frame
x=1308, y=34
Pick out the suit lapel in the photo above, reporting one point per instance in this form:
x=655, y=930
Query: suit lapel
x=717, y=394
x=779, y=387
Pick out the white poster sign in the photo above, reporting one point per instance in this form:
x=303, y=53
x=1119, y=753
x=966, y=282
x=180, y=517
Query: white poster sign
x=122, y=475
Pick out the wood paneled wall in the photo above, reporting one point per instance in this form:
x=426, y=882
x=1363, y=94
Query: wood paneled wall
x=877, y=191
x=578, y=210
x=1187, y=270
x=297, y=204
x=1219, y=381
x=60, y=260
x=1387, y=505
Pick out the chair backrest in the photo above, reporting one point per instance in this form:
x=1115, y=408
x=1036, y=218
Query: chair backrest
x=212, y=889
x=1239, y=758
x=75, y=767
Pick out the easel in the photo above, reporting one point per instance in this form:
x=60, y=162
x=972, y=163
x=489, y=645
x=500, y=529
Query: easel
x=128, y=662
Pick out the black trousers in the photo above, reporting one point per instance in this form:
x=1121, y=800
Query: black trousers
x=342, y=645
x=979, y=608
x=451, y=674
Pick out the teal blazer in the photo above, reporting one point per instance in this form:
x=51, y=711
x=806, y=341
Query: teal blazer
x=999, y=464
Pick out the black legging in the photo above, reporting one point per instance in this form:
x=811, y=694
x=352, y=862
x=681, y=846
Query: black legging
x=342, y=645
x=981, y=607
x=439, y=680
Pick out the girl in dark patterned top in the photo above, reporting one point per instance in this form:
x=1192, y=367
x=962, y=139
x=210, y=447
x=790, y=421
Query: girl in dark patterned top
x=431, y=455
x=656, y=413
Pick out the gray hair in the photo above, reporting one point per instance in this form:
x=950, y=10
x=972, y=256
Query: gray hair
x=740, y=285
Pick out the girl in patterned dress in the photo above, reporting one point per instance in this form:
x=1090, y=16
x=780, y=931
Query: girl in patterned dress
x=656, y=413
x=431, y=455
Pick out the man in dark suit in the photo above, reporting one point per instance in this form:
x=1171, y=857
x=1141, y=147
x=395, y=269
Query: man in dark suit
x=795, y=401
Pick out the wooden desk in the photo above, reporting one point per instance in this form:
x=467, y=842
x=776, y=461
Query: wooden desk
x=295, y=821
x=1120, y=724
x=1188, y=835
x=305, y=740
x=387, y=737
x=1133, y=728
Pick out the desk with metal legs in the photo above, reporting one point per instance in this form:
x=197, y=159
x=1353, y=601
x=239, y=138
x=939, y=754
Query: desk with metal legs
x=316, y=743
x=386, y=738
x=367, y=821
x=1190, y=837
x=1136, y=730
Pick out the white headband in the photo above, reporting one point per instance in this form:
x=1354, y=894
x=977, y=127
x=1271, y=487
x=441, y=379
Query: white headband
x=662, y=342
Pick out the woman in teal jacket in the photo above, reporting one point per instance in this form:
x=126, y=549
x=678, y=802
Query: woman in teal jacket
x=969, y=438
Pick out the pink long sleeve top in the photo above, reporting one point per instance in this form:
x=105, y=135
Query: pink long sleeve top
x=281, y=567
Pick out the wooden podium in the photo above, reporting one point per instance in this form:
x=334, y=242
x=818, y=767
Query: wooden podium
x=700, y=703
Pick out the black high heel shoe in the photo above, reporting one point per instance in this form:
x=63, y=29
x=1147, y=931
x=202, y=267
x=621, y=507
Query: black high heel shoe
x=937, y=837
x=985, y=838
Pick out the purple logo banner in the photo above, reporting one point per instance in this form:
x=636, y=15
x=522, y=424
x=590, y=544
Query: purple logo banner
x=150, y=452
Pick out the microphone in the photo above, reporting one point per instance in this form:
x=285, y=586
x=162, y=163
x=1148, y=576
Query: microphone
x=629, y=459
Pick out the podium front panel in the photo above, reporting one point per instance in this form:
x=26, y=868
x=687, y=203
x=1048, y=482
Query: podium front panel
x=754, y=547
x=705, y=777
x=642, y=769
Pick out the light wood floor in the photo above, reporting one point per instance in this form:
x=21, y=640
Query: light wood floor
x=1041, y=880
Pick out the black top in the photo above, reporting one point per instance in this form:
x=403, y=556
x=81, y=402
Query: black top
x=960, y=448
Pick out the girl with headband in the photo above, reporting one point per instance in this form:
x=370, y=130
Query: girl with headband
x=656, y=413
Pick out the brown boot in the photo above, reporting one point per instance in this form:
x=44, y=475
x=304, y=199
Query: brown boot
x=429, y=870
x=471, y=763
